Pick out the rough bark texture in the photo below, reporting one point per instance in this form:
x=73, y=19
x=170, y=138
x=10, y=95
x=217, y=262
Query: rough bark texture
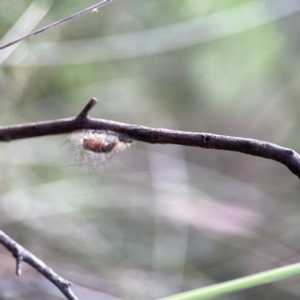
x=287, y=157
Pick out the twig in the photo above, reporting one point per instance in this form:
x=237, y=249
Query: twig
x=288, y=157
x=84, y=113
x=89, y=9
x=21, y=254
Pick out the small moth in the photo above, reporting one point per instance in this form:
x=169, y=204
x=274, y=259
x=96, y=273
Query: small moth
x=96, y=148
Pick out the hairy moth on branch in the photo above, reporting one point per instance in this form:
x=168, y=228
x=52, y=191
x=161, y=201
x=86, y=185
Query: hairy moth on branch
x=96, y=148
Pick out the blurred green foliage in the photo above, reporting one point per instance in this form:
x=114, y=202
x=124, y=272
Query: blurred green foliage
x=159, y=219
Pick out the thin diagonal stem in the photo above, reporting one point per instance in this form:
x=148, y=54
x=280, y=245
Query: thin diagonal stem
x=21, y=254
x=55, y=24
x=239, y=284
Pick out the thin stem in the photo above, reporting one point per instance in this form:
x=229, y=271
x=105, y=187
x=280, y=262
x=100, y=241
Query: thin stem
x=55, y=24
x=238, y=284
x=21, y=254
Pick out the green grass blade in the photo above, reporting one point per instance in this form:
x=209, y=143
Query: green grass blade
x=238, y=284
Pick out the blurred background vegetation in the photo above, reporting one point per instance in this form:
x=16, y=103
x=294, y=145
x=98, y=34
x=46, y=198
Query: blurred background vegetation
x=158, y=219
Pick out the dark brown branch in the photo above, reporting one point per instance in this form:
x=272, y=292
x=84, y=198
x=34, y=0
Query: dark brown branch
x=55, y=24
x=287, y=157
x=21, y=254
